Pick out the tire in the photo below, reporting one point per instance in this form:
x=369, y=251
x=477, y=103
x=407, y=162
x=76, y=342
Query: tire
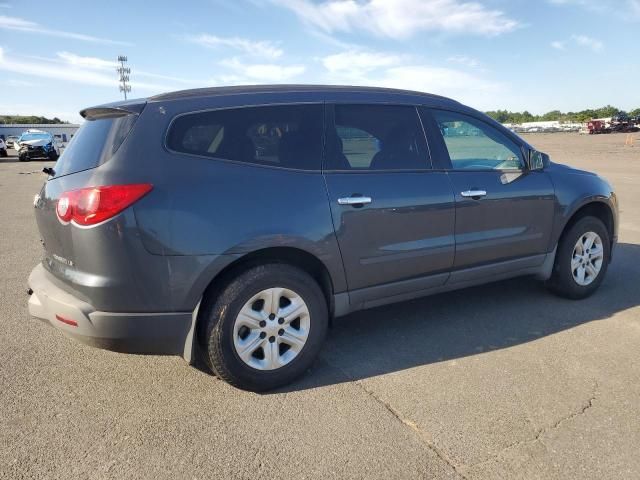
x=3, y=153
x=222, y=332
x=24, y=157
x=53, y=156
x=563, y=281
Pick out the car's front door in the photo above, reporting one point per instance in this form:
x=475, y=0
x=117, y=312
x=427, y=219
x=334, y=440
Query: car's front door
x=504, y=211
x=393, y=214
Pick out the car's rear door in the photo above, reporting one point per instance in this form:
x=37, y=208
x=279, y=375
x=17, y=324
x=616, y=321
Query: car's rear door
x=503, y=210
x=393, y=214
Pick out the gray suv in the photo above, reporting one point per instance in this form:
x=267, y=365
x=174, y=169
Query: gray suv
x=234, y=223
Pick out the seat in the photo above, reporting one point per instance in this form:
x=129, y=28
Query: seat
x=334, y=152
x=237, y=147
x=398, y=151
x=301, y=148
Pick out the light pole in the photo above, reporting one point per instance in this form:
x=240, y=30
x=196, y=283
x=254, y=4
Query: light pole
x=124, y=75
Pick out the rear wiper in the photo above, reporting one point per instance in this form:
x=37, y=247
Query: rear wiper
x=49, y=171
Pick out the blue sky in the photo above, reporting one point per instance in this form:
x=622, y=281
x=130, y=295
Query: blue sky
x=58, y=57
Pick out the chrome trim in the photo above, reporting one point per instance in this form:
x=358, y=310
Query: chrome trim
x=354, y=200
x=474, y=193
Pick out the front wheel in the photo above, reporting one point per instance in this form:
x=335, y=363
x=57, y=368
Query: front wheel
x=582, y=259
x=23, y=157
x=265, y=327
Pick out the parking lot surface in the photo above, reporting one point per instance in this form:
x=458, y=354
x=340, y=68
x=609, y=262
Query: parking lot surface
x=499, y=381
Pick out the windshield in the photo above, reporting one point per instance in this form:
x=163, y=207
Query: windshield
x=34, y=136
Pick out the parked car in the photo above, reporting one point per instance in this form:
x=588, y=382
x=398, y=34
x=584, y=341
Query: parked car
x=235, y=223
x=37, y=144
x=11, y=141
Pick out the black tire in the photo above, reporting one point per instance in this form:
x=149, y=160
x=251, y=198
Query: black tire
x=562, y=281
x=23, y=157
x=3, y=153
x=221, y=312
x=52, y=155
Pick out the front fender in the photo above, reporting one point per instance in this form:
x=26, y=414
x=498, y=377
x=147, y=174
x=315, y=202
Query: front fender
x=575, y=191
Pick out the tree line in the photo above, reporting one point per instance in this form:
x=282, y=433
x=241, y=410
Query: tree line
x=505, y=116
x=28, y=119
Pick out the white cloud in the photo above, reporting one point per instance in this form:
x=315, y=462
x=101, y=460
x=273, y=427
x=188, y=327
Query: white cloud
x=358, y=62
x=398, y=71
x=89, y=62
x=581, y=41
x=18, y=82
x=95, y=63
x=464, y=60
x=258, y=48
x=402, y=18
x=588, y=42
x=76, y=69
x=21, y=25
x=438, y=80
x=244, y=73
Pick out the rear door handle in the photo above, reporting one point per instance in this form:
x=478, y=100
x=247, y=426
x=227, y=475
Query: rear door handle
x=474, y=193
x=354, y=200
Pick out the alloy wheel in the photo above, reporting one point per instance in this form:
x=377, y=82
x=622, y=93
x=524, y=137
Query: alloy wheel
x=587, y=258
x=271, y=328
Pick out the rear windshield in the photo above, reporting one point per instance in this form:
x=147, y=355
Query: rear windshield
x=94, y=143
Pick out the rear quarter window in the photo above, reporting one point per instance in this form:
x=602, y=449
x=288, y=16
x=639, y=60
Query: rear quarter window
x=287, y=136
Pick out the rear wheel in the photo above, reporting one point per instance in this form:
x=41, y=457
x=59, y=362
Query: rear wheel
x=581, y=260
x=265, y=327
x=52, y=155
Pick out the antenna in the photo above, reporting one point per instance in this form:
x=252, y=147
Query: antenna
x=124, y=75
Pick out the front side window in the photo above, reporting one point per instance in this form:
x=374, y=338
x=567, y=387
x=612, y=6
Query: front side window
x=282, y=135
x=376, y=137
x=475, y=145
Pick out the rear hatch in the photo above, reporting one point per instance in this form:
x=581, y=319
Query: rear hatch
x=95, y=143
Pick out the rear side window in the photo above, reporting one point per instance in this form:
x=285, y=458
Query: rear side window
x=282, y=135
x=475, y=145
x=94, y=143
x=376, y=137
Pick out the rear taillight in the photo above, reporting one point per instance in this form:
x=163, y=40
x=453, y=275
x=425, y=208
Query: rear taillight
x=93, y=205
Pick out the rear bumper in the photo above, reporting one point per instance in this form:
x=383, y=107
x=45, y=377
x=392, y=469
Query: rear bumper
x=145, y=333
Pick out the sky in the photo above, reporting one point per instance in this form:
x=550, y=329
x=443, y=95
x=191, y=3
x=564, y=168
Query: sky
x=537, y=55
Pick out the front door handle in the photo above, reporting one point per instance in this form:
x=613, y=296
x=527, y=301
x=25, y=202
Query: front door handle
x=354, y=200
x=474, y=193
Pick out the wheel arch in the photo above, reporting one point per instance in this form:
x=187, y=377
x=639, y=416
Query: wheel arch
x=595, y=208
x=294, y=256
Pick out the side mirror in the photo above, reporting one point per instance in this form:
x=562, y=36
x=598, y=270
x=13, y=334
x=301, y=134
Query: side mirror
x=537, y=160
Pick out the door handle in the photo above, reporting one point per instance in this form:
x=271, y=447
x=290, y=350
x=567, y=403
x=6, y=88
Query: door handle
x=354, y=200
x=474, y=193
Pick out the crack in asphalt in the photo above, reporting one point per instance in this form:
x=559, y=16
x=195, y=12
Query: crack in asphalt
x=458, y=470
x=422, y=435
x=413, y=426
x=542, y=431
